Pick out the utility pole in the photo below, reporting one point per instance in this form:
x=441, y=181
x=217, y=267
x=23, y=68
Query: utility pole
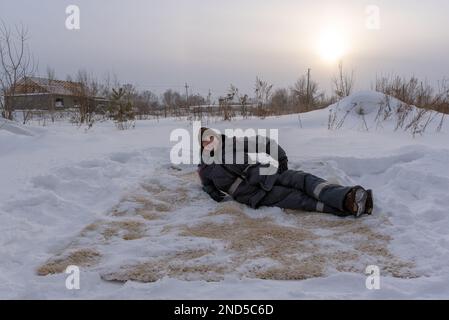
x=308, y=89
x=187, y=94
x=209, y=96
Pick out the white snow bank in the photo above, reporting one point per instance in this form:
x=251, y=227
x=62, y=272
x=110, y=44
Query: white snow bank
x=371, y=110
x=365, y=102
x=14, y=128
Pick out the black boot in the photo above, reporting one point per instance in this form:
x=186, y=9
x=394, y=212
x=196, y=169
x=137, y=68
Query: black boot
x=369, y=203
x=356, y=201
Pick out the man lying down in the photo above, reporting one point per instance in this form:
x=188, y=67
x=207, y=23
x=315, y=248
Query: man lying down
x=227, y=168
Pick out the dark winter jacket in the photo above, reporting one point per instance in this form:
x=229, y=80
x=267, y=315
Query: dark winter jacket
x=218, y=177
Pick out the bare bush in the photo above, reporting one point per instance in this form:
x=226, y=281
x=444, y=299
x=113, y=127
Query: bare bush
x=305, y=93
x=146, y=103
x=172, y=101
x=121, y=109
x=225, y=104
x=262, y=93
x=85, y=90
x=415, y=92
x=280, y=101
x=343, y=82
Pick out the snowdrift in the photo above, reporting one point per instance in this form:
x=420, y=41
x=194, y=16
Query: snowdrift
x=14, y=128
x=371, y=110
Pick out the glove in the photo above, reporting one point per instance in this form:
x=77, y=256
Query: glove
x=215, y=194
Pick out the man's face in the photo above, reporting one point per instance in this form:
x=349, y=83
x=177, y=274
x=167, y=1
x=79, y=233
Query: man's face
x=207, y=141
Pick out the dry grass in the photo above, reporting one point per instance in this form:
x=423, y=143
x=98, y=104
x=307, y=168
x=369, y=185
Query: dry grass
x=250, y=239
x=296, y=249
x=79, y=257
x=296, y=252
x=312, y=245
x=127, y=230
x=183, y=265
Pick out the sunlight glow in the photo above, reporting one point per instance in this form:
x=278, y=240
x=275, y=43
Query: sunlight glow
x=332, y=45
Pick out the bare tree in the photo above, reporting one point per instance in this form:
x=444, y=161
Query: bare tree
x=172, y=101
x=86, y=89
x=306, y=93
x=343, y=82
x=51, y=78
x=242, y=100
x=122, y=107
x=225, y=103
x=262, y=92
x=146, y=103
x=280, y=101
x=16, y=63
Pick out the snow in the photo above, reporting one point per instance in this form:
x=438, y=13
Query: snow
x=55, y=181
x=370, y=110
x=13, y=128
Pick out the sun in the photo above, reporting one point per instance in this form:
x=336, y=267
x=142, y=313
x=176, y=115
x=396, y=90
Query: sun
x=332, y=45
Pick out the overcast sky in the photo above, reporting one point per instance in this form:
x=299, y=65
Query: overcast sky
x=213, y=43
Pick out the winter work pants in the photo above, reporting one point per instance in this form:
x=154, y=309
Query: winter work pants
x=299, y=190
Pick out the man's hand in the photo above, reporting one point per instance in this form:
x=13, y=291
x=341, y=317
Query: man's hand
x=215, y=194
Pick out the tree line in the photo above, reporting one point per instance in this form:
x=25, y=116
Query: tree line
x=124, y=103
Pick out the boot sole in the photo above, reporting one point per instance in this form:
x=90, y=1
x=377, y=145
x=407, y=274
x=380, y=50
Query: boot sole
x=369, y=203
x=360, y=202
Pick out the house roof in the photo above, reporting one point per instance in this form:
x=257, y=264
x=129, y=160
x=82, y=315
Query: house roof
x=53, y=86
x=36, y=85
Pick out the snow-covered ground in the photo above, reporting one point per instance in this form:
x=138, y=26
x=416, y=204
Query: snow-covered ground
x=64, y=189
